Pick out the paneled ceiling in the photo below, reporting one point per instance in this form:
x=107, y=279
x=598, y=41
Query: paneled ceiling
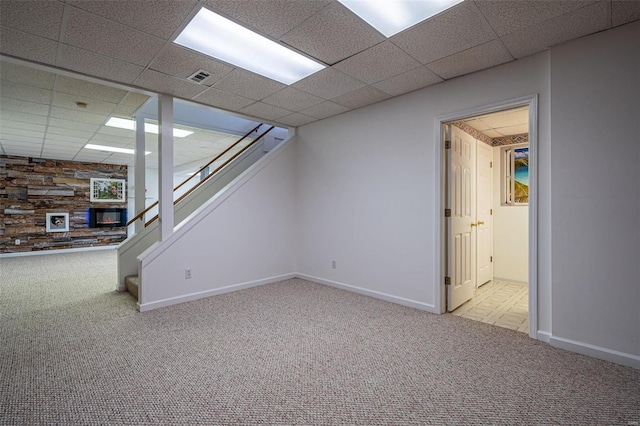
x=131, y=42
x=503, y=123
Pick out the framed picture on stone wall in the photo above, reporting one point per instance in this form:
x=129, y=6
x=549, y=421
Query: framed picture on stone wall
x=107, y=190
x=57, y=222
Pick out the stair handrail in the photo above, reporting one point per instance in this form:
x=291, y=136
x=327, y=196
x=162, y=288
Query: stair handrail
x=197, y=185
x=155, y=203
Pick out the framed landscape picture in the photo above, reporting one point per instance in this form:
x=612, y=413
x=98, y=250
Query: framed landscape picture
x=57, y=222
x=107, y=190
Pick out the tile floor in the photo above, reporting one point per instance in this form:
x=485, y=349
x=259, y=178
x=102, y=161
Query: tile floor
x=500, y=303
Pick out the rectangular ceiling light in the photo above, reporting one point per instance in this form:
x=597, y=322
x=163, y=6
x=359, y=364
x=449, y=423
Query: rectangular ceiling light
x=392, y=16
x=124, y=123
x=218, y=37
x=113, y=149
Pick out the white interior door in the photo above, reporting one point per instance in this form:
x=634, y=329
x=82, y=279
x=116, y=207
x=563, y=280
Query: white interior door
x=484, y=197
x=462, y=235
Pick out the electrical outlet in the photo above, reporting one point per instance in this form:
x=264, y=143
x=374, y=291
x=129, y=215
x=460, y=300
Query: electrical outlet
x=17, y=241
x=187, y=273
x=333, y=264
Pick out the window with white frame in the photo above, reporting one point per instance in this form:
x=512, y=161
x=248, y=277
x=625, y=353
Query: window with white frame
x=515, y=175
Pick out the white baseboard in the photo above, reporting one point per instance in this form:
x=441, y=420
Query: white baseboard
x=543, y=336
x=376, y=294
x=143, y=307
x=71, y=250
x=596, y=351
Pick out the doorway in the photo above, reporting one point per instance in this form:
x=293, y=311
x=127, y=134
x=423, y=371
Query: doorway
x=488, y=182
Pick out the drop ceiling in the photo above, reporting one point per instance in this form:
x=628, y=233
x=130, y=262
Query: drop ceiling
x=130, y=42
x=503, y=123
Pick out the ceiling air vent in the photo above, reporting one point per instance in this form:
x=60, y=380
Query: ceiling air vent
x=198, y=76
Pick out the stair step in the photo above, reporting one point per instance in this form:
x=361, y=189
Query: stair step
x=133, y=284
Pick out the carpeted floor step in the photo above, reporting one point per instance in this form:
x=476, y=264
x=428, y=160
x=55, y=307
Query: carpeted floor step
x=133, y=284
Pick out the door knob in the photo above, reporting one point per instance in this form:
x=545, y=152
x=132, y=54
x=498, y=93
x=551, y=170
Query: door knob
x=474, y=224
x=480, y=222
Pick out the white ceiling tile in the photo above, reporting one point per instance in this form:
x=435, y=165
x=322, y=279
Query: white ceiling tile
x=264, y=111
x=163, y=83
x=12, y=90
x=324, y=110
x=180, y=62
x=10, y=124
x=23, y=117
x=361, y=97
x=292, y=99
x=458, y=29
x=328, y=84
x=219, y=99
x=578, y=23
x=22, y=152
x=514, y=130
x=159, y=17
x=73, y=125
x=477, y=58
x=64, y=100
x=248, y=84
x=26, y=76
x=273, y=18
x=27, y=46
x=7, y=132
x=90, y=157
x=25, y=143
x=492, y=133
x=99, y=35
x=623, y=12
x=508, y=16
x=478, y=124
x=65, y=140
x=24, y=106
x=84, y=117
x=74, y=86
x=124, y=111
x=63, y=152
x=506, y=118
x=108, y=132
x=43, y=21
x=297, y=119
x=408, y=82
x=332, y=35
x=21, y=140
x=377, y=63
x=135, y=99
x=90, y=63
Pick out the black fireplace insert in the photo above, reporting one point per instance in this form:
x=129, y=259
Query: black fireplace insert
x=107, y=217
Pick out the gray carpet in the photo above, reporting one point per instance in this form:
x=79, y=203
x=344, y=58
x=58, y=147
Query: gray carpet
x=74, y=351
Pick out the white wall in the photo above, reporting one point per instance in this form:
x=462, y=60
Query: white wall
x=595, y=84
x=366, y=191
x=510, y=233
x=246, y=239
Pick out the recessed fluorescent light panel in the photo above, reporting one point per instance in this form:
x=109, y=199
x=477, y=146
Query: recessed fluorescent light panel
x=123, y=123
x=392, y=16
x=113, y=149
x=213, y=35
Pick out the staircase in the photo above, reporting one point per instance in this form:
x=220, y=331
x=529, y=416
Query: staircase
x=132, y=282
x=132, y=247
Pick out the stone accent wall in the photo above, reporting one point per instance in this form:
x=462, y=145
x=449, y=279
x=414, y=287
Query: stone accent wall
x=32, y=187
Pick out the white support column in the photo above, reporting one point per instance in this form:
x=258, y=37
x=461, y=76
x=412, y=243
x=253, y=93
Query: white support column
x=165, y=146
x=139, y=173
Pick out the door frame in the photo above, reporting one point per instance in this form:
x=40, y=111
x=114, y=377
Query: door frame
x=441, y=176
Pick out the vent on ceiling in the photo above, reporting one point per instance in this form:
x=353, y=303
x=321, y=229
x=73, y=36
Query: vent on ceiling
x=198, y=76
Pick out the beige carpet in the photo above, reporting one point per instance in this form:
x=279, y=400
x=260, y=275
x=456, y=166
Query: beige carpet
x=75, y=352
